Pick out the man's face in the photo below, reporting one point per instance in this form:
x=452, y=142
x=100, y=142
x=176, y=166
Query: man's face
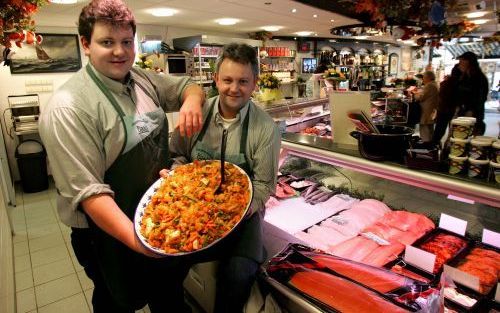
x=111, y=50
x=463, y=65
x=235, y=82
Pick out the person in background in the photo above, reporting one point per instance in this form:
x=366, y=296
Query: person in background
x=473, y=90
x=106, y=136
x=428, y=97
x=253, y=143
x=448, y=103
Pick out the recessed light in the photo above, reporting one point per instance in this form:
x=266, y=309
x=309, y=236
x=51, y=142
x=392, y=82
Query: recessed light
x=315, y=15
x=332, y=40
x=480, y=21
x=271, y=28
x=316, y=35
x=162, y=12
x=294, y=10
x=63, y=1
x=227, y=21
x=304, y=33
x=332, y=20
x=294, y=38
x=475, y=14
x=356, y=42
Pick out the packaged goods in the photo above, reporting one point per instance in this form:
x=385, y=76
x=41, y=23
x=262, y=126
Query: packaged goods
x=478, y=168
x=461, y=128
x=479, y=149
x=495, y=171
x=458, y=147
x=495, y=151
x=483, y=263
x=445, y=246
x=457, y=164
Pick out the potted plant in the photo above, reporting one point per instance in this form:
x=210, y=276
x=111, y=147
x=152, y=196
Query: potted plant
x=269, y=87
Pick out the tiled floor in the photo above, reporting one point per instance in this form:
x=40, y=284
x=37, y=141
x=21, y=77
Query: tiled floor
x=48, y=276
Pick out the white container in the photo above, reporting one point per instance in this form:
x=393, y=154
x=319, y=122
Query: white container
x=479, y=149
x=478, y=168
x=457, y=164
x=458, y=147
x=495, y=152
x=470, y=119
x=495, y=171
x=461, y=128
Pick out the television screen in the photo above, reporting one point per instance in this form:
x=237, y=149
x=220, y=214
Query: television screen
x=151, y=46
x=309, y=65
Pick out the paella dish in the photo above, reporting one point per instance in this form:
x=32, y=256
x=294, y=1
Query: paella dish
x=184, y=213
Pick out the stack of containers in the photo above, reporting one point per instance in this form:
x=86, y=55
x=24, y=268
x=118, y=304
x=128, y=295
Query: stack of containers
x=461, y=131
x=479, y=156
x=495, y=162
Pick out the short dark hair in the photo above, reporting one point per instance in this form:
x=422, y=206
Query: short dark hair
x=113, y=12
x=240, y=53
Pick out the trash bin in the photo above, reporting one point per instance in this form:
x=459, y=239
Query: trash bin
x=31, y=161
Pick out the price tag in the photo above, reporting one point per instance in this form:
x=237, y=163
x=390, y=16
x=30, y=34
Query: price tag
x=453, y=224
x=463, y=278
x=491, y=238
x=420, y=258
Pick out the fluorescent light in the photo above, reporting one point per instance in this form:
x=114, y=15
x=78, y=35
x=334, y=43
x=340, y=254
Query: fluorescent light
x=303, y=33
x=480, y=21
x=475, y=14
x=63, y=1
x=227, y=21
x=162, y=12
x=271, y=28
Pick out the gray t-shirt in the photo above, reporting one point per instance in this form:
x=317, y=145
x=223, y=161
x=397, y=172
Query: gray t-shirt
x=83, y=134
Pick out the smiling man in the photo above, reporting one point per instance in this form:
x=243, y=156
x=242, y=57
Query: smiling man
x=106, y=136
x=253, y=143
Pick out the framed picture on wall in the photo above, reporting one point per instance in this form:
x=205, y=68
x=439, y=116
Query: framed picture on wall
x=56, y=53
x=393, y=64
x=303, y=46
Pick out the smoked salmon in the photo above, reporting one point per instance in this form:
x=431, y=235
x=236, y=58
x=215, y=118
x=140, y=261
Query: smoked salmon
x=341, y=294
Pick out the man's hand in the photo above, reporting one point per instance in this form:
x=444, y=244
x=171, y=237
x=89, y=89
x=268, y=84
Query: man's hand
x=164, y=172
x=190, y=115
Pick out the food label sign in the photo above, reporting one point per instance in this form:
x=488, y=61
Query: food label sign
x=453, y=224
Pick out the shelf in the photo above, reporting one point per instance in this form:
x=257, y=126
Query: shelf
x=293, y=104
x=326, y=151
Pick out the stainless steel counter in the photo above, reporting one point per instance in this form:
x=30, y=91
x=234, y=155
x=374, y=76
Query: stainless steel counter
x=324, y=150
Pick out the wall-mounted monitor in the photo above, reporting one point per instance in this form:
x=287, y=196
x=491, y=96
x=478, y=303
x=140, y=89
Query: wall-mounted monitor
x=309, y=65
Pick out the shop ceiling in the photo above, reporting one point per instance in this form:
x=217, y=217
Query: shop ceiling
x=315, y=16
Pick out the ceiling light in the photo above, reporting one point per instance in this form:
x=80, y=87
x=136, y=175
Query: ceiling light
x=227, y=21
x=332, y=20
x=63, y=1
x=315, y=15
x=332, y=40
x=271, y=28
x=304, y=33
x=294, y=10
x=315, y=34
x=475, y=14
x=480, y=21
x=361, y=37
x=162, y=12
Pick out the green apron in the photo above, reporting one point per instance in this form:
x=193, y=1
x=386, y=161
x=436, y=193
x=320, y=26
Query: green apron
x=246, y=241
x=130, y=276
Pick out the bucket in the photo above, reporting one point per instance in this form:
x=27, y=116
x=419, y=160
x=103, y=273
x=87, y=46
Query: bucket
x=457, y=164
x=461, y=128
x=495, y=152
x=458, y=147
x=495, y=171
x=478, y=168
x=479, y=149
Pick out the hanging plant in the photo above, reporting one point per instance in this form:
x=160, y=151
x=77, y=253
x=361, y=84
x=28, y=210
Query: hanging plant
x=16, y=23
x=261, y=35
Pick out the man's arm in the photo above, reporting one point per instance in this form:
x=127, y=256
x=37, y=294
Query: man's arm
x=190, y=117
x=104, y=211
x=265, y=168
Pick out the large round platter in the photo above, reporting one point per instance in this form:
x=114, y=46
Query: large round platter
x=148, y=196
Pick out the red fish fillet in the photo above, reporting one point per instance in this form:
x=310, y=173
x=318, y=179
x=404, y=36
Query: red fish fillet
x=383, y=254
x=341, y=294
x=378, y=279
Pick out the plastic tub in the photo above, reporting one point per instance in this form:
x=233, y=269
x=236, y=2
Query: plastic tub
x=495, y=171
x=457, y=164
x=458, y=147
x=478, y=168
x=495, y=152
x=479, y=149
x=461, y=128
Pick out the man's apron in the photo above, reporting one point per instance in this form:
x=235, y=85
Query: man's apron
x=246, y=241
x=126, y=272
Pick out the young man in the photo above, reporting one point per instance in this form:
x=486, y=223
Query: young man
x=106, y=137
x=253, y=143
